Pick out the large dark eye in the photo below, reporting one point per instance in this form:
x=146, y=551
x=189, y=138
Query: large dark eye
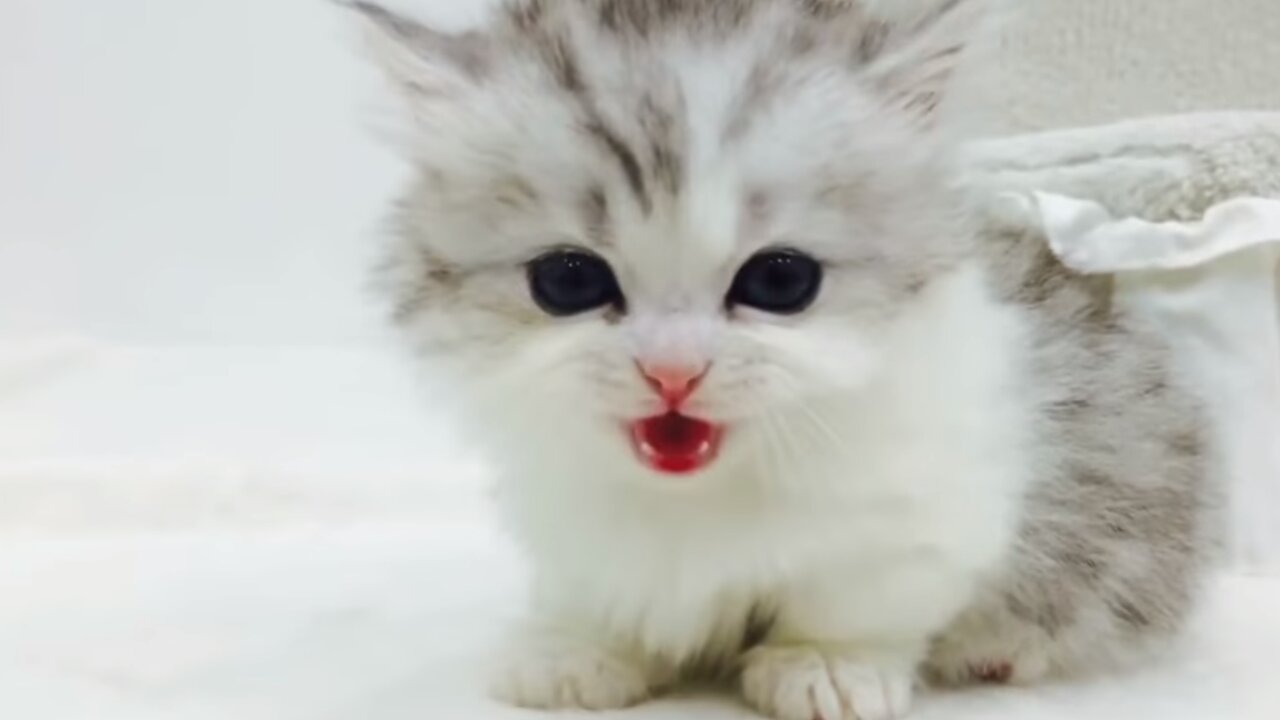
x=777, y=281
x=568, y=282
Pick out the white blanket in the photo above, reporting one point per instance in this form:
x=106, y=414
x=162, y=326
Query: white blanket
x=272, y=535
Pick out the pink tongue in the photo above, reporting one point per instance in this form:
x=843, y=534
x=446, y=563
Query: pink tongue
x=674, y=443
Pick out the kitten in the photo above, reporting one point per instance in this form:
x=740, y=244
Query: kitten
x=762, y=402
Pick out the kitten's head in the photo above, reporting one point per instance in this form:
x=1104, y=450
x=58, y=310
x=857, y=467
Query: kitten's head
x=652, y=234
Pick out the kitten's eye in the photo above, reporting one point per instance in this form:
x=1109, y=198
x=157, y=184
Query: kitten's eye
x=777, y=281
x=568, y=282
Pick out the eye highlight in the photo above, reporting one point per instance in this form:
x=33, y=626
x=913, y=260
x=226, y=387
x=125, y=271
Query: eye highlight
x=569, y=282
x=784, y=282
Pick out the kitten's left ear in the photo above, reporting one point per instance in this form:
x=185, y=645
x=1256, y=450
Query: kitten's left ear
x=420, y=60
x=913, y=47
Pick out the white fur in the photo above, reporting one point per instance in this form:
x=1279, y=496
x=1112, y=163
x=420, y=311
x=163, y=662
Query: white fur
x=872, y=544
x=805, y=683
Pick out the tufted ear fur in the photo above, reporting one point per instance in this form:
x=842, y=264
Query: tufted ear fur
x=420, y=60
x=913, y=47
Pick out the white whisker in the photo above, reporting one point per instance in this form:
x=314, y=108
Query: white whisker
x=809, y=413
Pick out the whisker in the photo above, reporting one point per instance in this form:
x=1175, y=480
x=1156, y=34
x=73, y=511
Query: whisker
x=809, y=412
x=791, y=450
x=774, y=452
x=524, y=371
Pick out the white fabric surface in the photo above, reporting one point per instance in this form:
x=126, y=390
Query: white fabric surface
x=285, y=535
x=1088, y=239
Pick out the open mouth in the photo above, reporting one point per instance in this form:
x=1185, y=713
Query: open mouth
x=676, y=444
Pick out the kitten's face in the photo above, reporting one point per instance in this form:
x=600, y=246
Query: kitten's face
x=658, y=236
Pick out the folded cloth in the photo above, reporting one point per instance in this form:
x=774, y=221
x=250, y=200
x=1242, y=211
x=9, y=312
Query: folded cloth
x=1184, y=211
x=1161, y=168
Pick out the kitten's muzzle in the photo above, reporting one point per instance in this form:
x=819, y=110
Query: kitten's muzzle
x=673, y=383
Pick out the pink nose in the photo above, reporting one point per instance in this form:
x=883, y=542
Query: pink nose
x=674, y=383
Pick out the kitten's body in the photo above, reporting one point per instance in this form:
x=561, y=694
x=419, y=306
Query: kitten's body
x=957, y=460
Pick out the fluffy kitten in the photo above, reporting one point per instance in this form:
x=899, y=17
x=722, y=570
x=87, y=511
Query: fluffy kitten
x=761, y=401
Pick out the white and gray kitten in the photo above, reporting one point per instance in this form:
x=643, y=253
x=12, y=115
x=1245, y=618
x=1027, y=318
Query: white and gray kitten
x=761, y=402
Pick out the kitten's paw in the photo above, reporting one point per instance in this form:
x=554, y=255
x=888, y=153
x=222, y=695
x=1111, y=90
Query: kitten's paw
x=551, y=673
x=802, y=683
x=987, y=658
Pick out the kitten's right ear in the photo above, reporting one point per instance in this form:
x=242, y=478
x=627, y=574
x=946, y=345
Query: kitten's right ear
x=420, y=60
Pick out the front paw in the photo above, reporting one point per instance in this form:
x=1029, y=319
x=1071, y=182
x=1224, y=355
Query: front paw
x=808, y=683
x=553, y=672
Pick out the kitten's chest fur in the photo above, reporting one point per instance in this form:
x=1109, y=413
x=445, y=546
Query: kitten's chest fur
x=687, y=591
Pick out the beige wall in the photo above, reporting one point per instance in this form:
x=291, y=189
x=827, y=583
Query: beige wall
x=1077, y=62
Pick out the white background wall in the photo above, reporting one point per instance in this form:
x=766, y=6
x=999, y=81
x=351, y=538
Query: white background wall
x=1079, y=62
x=197, y=171
x=186, y=172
